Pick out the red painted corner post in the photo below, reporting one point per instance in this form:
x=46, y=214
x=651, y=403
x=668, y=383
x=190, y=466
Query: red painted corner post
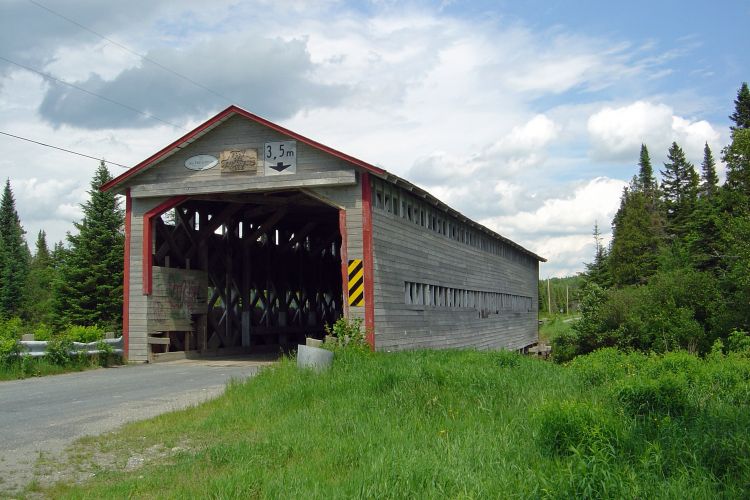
x=344, y=262
x=148, y=234
x=126, y=275
x=367, y=259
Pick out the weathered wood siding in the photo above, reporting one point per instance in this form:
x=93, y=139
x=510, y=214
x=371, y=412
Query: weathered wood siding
x=349, y=198
x=405, y=251
x=170, y=177
x=137, y=320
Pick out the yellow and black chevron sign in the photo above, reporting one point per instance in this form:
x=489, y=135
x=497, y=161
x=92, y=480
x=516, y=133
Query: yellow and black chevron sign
x=356, y=283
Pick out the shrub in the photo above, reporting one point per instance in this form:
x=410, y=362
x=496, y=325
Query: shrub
x=605, y=365
x=83, y=334
x=43, y=331
x=9, y=350
x=565, y=346
x=11, y=328
x=738, y=341
x=348, y=334
x=58, y=351
x=666, y=395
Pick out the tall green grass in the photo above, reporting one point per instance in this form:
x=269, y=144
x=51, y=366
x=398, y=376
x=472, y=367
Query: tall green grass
x=453, y=424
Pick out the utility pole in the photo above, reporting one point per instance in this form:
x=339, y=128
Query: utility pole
x=566, y=301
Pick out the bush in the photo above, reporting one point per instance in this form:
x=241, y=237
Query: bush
x=43, y=331
x=11, y=328
x=565, y=346
x=606, y=365
x=739, y=342
x=665, y=396
x=9, y=350
x=348, y=334
x=83, y=334
x=58, y=351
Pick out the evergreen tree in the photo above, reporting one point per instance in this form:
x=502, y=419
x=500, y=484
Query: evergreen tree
x=598, y=271
x=14, y=255
x=39, y=287
x=710, y=180
x=741, y=115
x=737, y=186
x=679, y=190
x=704, y=239
x=57, y=255
x=89, y=288
x=646, y=179
x=635, y=243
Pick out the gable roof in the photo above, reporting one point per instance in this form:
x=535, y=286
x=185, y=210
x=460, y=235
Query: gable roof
x=217, y=120
x=233, y=110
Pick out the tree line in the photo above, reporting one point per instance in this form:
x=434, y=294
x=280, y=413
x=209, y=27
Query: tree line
x=78, y=282
x=676, y=274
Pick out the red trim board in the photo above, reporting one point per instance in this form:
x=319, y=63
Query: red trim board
x=126, y=275
x=148, y=231
x=367, y=259
x=344, y=260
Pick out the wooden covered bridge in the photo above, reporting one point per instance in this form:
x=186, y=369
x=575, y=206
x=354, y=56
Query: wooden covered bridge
x=243, y=236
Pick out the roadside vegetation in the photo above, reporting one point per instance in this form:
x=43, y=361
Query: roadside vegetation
x=427, y=424
x=72, y=293
x=676, y=274
x=61, y=356
x=555, y=326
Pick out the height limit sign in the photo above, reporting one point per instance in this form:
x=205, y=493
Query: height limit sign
x=280, y=158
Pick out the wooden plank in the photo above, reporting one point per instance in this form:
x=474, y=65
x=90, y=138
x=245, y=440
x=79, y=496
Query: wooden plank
x=183, y=187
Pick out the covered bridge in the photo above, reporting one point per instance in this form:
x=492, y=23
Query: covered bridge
x=245, y=236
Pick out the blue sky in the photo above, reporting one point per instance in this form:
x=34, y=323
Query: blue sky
x=526, y=116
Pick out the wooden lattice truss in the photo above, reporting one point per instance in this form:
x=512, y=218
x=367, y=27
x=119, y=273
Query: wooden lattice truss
x=273, y=264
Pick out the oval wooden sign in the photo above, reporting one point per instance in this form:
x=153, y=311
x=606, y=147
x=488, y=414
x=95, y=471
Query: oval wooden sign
x=201, y=162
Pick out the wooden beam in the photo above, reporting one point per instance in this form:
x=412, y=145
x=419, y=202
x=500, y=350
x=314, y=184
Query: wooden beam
x=219, y=219
x=267, y=224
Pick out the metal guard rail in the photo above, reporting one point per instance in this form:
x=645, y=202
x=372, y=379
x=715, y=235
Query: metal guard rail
x=36, y=348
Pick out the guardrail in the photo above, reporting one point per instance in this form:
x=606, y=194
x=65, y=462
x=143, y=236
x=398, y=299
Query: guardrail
x=36, y=348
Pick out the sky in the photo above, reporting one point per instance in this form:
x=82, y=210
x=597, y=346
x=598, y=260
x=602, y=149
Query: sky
x=525, y=116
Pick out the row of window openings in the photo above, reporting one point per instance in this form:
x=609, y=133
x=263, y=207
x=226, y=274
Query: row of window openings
x=422, y=294
x=400, y=206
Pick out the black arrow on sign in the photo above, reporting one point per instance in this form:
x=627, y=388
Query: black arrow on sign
x=279, y=167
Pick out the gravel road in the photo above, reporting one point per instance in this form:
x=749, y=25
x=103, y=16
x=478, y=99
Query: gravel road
x=43, y=415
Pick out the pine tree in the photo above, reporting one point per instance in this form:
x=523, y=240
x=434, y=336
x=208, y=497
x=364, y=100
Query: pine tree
x=710, y=180
x=737, y=186
x=741, y=115
x=89, y=288
x=598, y=271
x=14, y=266
x=635, y=244
x=38, y=303
x=679, y=190
x=646, y=179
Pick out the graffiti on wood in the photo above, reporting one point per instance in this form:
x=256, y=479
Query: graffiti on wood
x=177, y=295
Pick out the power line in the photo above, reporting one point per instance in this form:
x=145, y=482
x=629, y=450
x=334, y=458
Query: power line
x=133, y=52
x=63, y=149
x=112, y=101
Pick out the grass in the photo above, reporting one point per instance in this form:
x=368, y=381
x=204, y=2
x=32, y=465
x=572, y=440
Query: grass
x=39, y=367
x=552, y=327
x=435, y=424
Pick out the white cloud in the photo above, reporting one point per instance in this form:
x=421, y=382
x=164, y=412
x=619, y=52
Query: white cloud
x=617, y=133
x=528, y=138
x=471, y=109
x=596, y=200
